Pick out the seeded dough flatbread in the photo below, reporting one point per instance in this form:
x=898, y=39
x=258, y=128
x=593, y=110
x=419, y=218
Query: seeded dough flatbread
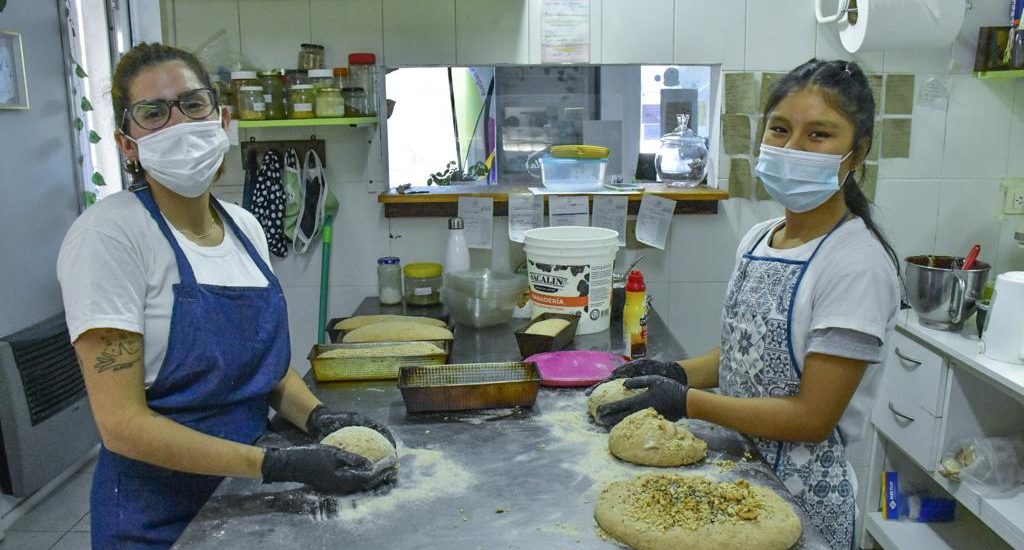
x=396, y=332
x=363, y=320
x=547, y=327
x=671, y=511
x=648, y=439
x=410, y=349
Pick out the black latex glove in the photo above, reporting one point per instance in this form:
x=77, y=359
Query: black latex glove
x=645, y=367
x=322, y=422
x=664, y=395
x=325, y=468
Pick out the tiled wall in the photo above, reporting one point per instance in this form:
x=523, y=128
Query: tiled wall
x=941, y=200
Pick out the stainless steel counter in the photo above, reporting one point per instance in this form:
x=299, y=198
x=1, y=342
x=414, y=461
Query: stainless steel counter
x=486, y=479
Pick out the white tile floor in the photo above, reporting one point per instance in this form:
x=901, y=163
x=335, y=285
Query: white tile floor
x=59, y=522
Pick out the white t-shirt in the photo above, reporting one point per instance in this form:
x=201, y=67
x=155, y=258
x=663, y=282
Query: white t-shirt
x=116, y=270
x=851, y=284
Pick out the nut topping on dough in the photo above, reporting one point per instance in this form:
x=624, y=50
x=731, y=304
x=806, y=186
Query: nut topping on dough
x=691, y=502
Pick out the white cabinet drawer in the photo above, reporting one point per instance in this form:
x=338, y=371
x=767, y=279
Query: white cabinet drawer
x=908, y=425
x=916, y=372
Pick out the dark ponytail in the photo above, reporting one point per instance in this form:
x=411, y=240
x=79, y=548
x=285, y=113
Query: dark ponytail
x=847, y=90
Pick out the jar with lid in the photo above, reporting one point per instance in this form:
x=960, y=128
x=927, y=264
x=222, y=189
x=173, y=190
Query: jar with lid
x=362, y=73
x=224, y=95
x=423, y=284
x=321, y=78
x=682, y=159
x=329, y=103
x=355, y=102
x=273, y=92
x=341, y=77
x=389, y=280
x=311, y=56
x=239, y=79
x=250, y=103
x=301, y=98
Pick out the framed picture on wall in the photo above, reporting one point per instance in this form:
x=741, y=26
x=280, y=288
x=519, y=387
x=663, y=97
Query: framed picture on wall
x=13, y=86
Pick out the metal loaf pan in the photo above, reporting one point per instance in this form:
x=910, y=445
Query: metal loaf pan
x=335, y=369
x=468, y=386
x=530, y=344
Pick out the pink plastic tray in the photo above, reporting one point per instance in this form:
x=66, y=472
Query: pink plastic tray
x=575, y=368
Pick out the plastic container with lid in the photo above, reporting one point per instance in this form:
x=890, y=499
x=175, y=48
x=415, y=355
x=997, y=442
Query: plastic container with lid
x=355, y=102
x=389, y=280
x=273, y=82
x=301, y=98
x=250, y=103
x=311, y=56
x=321, y=78
x=239, y=79
x=341, y=77
x=362, y=73
x=329, y=103
x=423, y=283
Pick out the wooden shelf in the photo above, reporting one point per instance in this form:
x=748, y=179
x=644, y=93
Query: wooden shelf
x=288, y=122
x=965, y=532
x=1010, y=73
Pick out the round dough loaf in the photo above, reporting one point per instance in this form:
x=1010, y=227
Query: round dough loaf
x=609, y=392
x=657, y=512
x=363, y=442
x=647, y=439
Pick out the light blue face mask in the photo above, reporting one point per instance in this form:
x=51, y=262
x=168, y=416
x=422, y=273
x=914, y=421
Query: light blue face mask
x=799, y=180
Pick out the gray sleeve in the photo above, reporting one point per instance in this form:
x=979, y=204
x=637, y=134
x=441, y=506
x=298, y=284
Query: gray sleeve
x=844, y=342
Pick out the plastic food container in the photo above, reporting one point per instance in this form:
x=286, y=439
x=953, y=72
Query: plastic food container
x=481, y=297
x=423, y=283
x=572, y=174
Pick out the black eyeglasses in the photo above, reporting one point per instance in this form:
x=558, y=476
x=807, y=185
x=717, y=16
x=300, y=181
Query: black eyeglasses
x=153, y=114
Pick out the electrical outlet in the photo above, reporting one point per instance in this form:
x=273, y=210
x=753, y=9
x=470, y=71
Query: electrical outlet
x=1013, y=199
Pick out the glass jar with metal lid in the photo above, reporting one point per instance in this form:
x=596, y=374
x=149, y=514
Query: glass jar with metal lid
x=355, y=102
x=273, y=92
x=362, y=73
x=423, y=283
x=329, y=103
x=250, y=103
x=239, y=79
x=301, y=98
x=389, y=280
x=311, y=56
x=321, y=78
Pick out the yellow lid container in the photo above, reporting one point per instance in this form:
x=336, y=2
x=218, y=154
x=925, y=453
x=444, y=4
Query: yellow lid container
x=580, y=151
x=423, y=270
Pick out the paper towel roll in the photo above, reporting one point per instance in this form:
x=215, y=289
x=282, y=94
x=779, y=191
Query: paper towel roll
x=902, y=24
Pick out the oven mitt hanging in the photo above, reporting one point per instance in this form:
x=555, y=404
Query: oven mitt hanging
x=292, y=193
x=317, y=202
x=268, y=202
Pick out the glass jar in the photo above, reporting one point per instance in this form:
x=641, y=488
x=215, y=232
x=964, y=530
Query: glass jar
x=389, y=280
x=362, y=73
x=682, y=159
x=250, y=103
x=329, y=103
x=423, y=284
x=311, y=56
x=321, y=78
x=341, y=77
x=355, y=101
x=239, y=79
x=273, y=92
x=301, y=98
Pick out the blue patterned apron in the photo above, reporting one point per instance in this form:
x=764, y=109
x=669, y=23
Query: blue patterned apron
x=227, y=349
x=757, y=360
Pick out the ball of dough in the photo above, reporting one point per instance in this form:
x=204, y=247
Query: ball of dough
x=609, y=392
x=647, y=439
x=363, y=442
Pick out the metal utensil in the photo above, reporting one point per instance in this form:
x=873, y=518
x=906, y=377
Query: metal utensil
x=972, y=257
x=621, y=277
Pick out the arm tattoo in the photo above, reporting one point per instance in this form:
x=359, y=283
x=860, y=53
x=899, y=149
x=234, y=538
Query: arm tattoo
x=120, y=351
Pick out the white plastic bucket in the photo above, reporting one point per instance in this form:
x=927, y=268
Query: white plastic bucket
x=570, y=271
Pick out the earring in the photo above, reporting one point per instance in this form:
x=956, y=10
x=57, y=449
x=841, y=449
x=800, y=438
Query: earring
x=132, y=166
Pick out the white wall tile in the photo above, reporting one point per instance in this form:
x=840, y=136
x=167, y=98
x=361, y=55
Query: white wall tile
x=418, y=239
x=967, y=215
x=695, y=317
x=907, y=211
x=928, y=131
x=492, y=31
x=703, y=247
x=631, y=35
x=656, y=264
x=303, y=318
x=978, y=127
x=921, y=60
x=980, y=13
x=197, y=21
x=346, y=26
x=780, y=34
x=419, y=32
x=272, y=31
x=1015, y=164
x=697, y=20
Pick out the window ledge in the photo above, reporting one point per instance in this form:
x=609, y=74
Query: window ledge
x=444, y=201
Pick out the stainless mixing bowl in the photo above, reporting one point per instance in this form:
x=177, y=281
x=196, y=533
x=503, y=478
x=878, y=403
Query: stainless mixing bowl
x=942, y=294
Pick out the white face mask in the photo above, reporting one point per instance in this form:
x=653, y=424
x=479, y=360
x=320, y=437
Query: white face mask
x=185, y=157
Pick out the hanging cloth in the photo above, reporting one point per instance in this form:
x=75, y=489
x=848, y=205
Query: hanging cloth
x=292, y=193
x=268, y=203
x=317, y=202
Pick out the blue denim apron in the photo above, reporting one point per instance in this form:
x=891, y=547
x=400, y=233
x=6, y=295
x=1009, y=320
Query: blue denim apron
x=227, y=349
x=757, y=360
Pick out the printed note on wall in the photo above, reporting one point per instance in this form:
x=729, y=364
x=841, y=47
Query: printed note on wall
x=565, y=31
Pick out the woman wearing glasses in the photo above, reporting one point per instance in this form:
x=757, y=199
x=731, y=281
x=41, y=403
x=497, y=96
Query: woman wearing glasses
x=180, y=325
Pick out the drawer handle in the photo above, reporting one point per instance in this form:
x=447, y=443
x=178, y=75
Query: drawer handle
x=906, y=359
x=900, y=415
